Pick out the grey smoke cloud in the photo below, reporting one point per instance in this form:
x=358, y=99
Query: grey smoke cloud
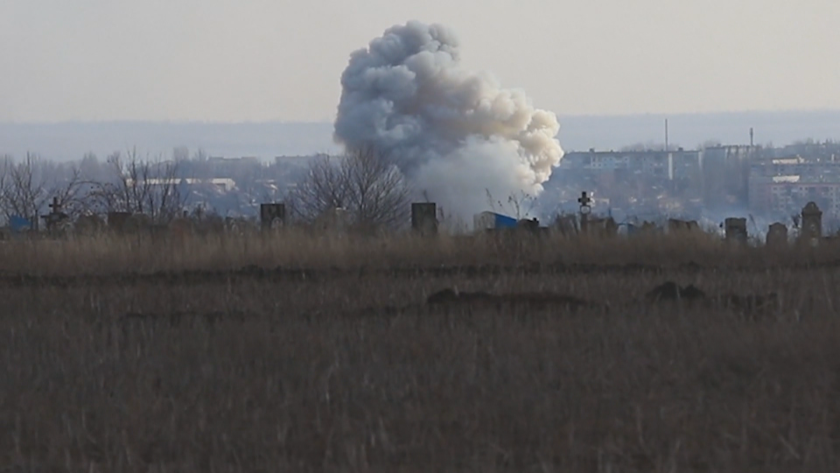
x=454, y=133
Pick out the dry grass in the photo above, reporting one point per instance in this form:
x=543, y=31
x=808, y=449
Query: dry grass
x=107, y=254
x=331, y=360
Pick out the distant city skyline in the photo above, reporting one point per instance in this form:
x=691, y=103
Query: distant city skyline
x=220, y=60
x=71, y=140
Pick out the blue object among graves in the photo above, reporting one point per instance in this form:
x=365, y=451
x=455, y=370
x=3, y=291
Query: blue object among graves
x=493, y=221
x=19, y=224
x=503, y=221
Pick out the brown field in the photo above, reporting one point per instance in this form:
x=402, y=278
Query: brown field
x=293, y=353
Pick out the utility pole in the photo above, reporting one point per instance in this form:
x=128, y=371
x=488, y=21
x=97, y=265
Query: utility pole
x=752, y=143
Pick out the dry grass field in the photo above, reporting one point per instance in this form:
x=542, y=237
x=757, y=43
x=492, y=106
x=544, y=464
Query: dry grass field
x=301, y=354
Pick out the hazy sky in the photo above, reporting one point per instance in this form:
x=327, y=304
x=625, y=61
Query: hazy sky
x=282, y=59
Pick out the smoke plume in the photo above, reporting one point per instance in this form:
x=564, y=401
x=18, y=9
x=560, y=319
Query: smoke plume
x=455, y=134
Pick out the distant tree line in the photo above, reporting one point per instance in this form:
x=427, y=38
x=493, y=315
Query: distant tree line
x=363, y=184
x=126, y=183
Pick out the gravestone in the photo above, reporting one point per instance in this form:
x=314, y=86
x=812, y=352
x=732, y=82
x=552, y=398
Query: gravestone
x=736, y=230
x=811, y=224
x=56, y=218
x=604, y=227
x=777, y=235
x=117, y=220
x=181, y=227
x=646, y=228
x=335, y=220
x=531, y=225
x=137, y=223
x=566, y=225
x=89, y=224
x=272, y=215
x=682, y=226
x=424, y=218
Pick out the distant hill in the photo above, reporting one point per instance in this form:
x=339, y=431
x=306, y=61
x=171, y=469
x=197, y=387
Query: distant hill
x=71, y=140
x=690, y=130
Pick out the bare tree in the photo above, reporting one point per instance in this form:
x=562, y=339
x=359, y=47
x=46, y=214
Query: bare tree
x=518, y=206
x=363, y=182
x=26, y=188
x=22, y=192
x=147, y=187
x=377, y=192
x=321, y=190
x=69, y=193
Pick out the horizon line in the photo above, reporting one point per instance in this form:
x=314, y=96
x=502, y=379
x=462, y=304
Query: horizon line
x=323, y=122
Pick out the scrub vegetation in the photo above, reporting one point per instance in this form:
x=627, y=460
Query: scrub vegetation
x=290, y=352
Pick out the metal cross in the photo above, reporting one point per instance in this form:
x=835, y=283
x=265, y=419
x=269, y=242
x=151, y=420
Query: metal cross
x=584, y=202
x=55, y=206
x=584, y=199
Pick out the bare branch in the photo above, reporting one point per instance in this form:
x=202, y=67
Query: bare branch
x=147, y=187
x=367, y=185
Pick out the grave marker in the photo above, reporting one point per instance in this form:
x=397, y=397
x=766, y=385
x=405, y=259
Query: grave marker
x=811, y=223
x=424, y=218
x=272, y=215
x=777, y=235
x=585, y=210
x=736, y=230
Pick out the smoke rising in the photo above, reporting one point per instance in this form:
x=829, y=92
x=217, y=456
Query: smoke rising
x=455, y=134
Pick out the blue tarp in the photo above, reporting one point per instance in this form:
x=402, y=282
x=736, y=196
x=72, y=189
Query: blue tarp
x=19, y=224
x=503, y=221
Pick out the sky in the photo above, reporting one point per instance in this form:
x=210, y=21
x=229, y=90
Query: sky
x=256, y=60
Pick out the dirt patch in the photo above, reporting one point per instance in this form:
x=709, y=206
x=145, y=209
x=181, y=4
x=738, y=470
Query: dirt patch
x=293, y=274
x=185, y=317
x=530, y=299
x=671, y=291
x=314, y=275
x=750, y=304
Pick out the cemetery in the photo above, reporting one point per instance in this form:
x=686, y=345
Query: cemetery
x=327, y=341
x=437, y=273
x=424, y=221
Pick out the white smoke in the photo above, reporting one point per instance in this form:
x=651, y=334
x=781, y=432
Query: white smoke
x=455, y=134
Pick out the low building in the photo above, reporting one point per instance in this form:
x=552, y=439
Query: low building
x=781, y=186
